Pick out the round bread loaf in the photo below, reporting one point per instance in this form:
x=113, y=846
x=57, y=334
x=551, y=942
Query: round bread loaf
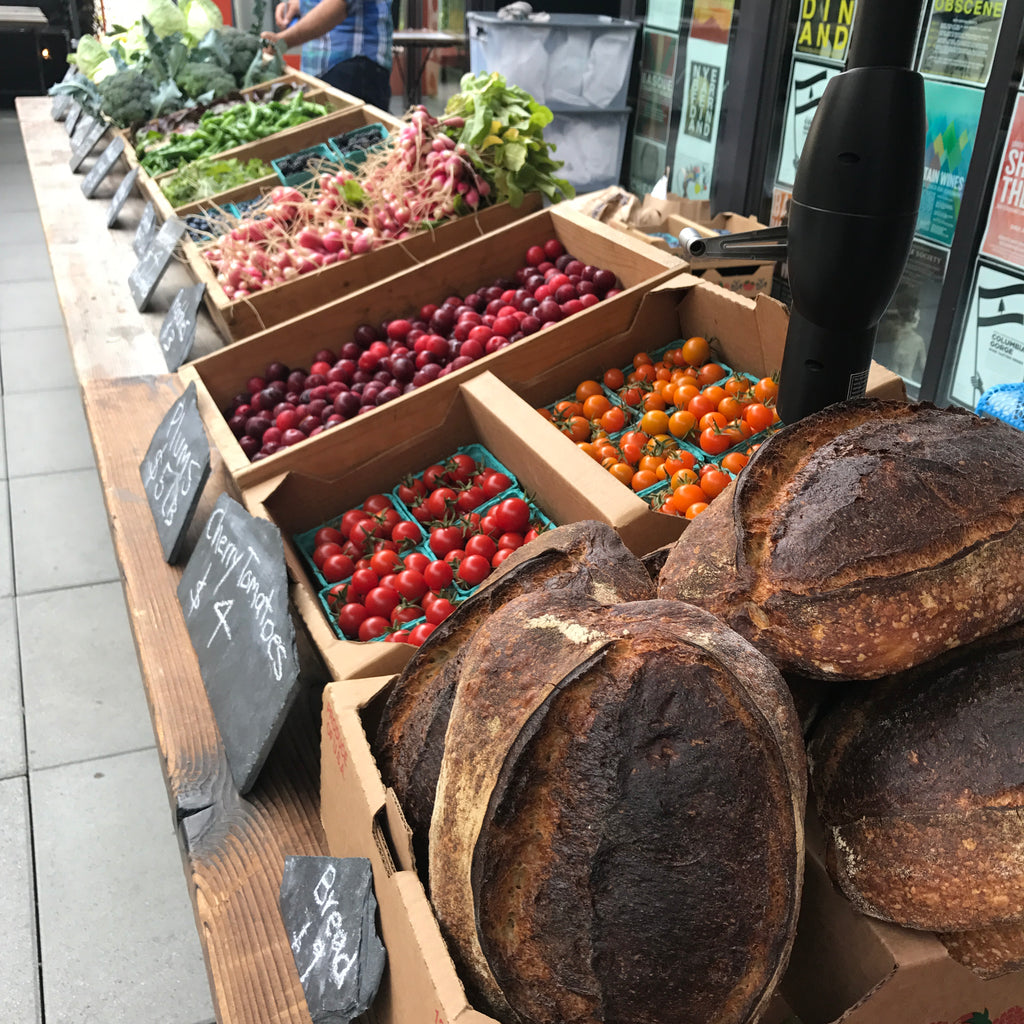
x=863, y=540
x=587, y=557
x=919, y=781
x=618, y=830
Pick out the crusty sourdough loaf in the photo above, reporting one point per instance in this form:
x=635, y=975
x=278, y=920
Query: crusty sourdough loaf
x=919, y=782
x=618, y=830
x=587, y=557
x=864, y=539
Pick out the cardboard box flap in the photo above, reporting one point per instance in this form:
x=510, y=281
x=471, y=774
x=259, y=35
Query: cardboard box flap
x=401, y=834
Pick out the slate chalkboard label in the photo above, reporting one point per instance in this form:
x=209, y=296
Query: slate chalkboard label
x=142, y=281
x=178, y=331
x=124, y=190
x=329, y=913
x=234, y=596
x=175, y=470
x=102, y=167
x=71, y=121
x=60, y=106
x=146, y=231
x=85, y=125
x=87, y=144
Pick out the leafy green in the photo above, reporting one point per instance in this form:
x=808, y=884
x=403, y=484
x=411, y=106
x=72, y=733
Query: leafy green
x=164, y=15
x=209, y=176
x=503, y=131
x=89, y=56
x=201, y=17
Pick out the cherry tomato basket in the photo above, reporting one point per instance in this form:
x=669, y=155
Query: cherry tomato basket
x=332, y=619
x=305, y=541
x=484, y=460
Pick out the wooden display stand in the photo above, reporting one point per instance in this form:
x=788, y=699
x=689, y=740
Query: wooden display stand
x=232, y=848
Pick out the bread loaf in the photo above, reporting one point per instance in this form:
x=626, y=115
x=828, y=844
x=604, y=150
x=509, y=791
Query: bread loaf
x=587, y=557
x=864, y=539
x=988, y=952
x=919, y=781
x=618, y=830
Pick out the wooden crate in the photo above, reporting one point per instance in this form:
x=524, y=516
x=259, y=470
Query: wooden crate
x=241, y=318
x=319, y=92
x=220, y=376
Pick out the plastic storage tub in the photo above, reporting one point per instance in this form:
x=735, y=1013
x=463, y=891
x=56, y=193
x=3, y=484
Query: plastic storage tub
x=590, y=143
x=569, y=60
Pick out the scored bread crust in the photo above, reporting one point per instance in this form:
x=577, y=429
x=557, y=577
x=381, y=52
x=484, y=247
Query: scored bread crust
x=864, y=539
x=919, y=782
x=618, y=828
x=587, y=557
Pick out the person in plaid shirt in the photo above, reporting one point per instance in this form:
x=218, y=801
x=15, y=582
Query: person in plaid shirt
x=347, y=43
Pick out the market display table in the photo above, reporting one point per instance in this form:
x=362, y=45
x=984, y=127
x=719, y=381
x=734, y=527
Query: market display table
x=233, y=848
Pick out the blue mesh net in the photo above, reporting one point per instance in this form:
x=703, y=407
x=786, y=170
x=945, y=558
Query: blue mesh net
x=1004, y=402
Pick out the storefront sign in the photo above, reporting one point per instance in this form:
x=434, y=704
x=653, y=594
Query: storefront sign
x=124, y=190
x=329, y=912
x=961, y=38
x=806, y=87
x=178, y=331
x=1004, y=236
x=992, y=345
x=103, y=166
x=142, y=281
x=953, y=112
x=175, y=470
x=234, y=596
x=824, y=28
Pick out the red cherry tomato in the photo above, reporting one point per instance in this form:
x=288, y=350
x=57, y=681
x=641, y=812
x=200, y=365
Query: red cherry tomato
x=374, y=626
x=474, y=569
x=411, y=584
x=438, y=575
x=420, y=633
x=350, y=617
x=512, y=515
x=481, y=544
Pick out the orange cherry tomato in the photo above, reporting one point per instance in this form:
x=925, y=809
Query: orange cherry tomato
x=714, y=441
x=641, y=359
x=713, y=483
x=547, y=414
x=613, y=379
x=622, y=471
x=681, y=422
x=716, y=393
x=696, y=350
x=651, y=463
x=684, y=394
x=710, y=373
x=631, y=396
x=613, y=419
x=766, y=390
x=587, y=388
x=682, y=477
x=699, y=406
x=734, y=461
x=653, y=402
x=643, y=479
x=577, y=427
x=567, y=408
x=595, y=406
x=588, y=449
x=680, y=459
x=711, y=419
x=735, y=385
x=695, y=509
x=686, y=495
x=730, y=407
x=654, y=421
x=758, y=416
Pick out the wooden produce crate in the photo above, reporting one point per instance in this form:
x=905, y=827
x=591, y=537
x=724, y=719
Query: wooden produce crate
x=319, y=92
x=221, y=375
x=271, y=148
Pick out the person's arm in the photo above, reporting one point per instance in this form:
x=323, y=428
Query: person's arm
x=318, y=22
x=285, y=12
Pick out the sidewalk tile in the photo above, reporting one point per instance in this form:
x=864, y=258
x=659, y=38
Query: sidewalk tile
x=30, y=263
x=6, y=564
x=83, y=693
x=12, y=719
x=46, y=432
x=29, y=304
x=19, y=972
x=61, y=537
x=129, y=952
x=36, y=359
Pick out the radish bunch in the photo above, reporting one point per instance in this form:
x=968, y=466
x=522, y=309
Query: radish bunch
x=419, y=178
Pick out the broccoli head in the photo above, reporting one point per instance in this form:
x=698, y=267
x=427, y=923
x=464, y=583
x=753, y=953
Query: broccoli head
x=195, y=79
x=240, y=49
x=127, y=97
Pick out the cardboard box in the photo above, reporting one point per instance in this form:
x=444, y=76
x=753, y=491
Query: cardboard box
x=847, y=968
x=362, y=818
x=748, y=334
x=221, y=375
x=481, y=411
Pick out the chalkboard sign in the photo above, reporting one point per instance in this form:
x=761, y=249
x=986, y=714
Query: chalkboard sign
x=142, y=281
x=329, y=913
x=124, y=190
x=234, y=595
x=146, y=231
x=61, y=105
x=102, y=167
x=85, y=125
x=178, y=331
x=86, y=144
x=71, y=121
x=175, y=470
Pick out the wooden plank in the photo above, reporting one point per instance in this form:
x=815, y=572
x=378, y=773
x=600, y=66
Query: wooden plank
x=108, y=336
x=233, y=849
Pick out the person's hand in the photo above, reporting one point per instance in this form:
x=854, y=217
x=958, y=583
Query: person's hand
x=283, y=14
x=269, y=38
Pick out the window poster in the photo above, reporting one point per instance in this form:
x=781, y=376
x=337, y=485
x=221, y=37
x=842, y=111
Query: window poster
x=952, y=113
x=905, y=329
x=824, y=28
x=960, y=40
x=781, y=198
x=667, y=14
x=1004, y=235
x=806, y=87
x=992, y=345
x=707, y=53
x=649, y=152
